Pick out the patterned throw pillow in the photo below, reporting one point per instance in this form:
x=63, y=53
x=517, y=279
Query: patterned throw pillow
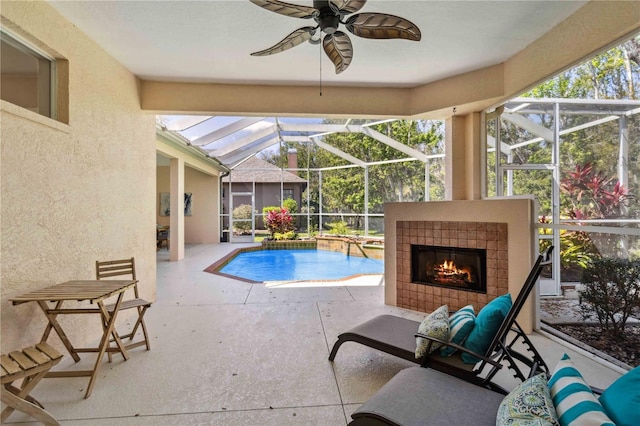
x=487, y=324
x=436, y=324
x=574, y=401
x=529, y=404
x=460, y=325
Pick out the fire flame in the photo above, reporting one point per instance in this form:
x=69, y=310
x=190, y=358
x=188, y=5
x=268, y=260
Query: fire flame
x=449, y=268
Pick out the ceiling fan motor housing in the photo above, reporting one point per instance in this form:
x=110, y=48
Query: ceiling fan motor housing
x=328, y=19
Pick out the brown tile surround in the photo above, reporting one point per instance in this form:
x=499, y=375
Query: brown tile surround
x=486, y=235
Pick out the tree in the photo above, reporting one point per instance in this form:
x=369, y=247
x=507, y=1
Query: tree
x=614, y=74
x=343, y=188
x=242, y=212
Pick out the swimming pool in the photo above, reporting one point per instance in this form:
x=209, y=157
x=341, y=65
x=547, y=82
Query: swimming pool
x=299, y=265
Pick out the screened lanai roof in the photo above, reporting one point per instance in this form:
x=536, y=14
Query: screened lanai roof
x=522, y=112
x=232, y=140
x=574, y=106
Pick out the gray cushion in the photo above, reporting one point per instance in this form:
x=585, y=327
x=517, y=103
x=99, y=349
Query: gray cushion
x=422, y=396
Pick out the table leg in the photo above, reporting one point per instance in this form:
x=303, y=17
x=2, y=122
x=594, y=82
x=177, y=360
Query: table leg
x=53, y=322
x=104, y=342
x=47, y=330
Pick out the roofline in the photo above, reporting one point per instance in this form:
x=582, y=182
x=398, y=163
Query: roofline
x=184, y=145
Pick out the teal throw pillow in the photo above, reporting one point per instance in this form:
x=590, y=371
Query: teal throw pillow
x=436, y=324
x=487, y=324
x=621, y=400
x=575, y=403
x=460, y=325
x=529, y=404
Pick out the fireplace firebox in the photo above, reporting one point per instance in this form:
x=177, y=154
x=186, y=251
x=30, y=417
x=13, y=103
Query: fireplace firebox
x=450, y=267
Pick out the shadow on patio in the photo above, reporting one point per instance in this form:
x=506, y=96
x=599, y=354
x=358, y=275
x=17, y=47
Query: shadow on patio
x=233, y=353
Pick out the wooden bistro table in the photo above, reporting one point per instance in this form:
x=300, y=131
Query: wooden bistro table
x=51, y=299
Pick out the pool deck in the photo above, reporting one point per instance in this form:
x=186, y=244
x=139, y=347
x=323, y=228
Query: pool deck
x=226, y=352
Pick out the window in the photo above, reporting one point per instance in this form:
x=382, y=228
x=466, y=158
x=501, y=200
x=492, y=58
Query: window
x=27, y=76
x=287, y=193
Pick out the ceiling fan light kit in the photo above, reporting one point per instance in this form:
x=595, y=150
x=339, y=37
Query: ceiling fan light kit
x=328, y=16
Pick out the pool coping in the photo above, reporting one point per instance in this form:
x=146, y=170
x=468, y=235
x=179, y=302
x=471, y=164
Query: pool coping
x=215, y=267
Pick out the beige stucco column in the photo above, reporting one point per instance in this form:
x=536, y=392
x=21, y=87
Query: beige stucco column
x=463, y=160
x=474, y=157
x=176, y=251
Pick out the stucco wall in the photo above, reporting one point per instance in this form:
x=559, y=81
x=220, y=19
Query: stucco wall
x=203, y=225
x=72, y=194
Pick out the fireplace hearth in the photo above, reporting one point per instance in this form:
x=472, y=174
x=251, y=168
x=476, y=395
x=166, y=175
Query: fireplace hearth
x=450, y=267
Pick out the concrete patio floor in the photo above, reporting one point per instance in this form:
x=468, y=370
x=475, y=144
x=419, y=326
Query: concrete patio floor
x=225, y=352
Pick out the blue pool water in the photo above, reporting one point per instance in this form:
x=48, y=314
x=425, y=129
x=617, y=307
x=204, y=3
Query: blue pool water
x=299, y=265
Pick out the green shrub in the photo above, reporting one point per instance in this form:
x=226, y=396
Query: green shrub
x=611, y=288
x=266, y=210
x=338, y=228
x=243, y=211
x=291, y=235
x=291, y=205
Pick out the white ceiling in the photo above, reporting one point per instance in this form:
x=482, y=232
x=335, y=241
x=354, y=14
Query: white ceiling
x=210, y=41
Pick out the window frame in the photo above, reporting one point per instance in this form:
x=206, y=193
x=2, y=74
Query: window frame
x=28, y=48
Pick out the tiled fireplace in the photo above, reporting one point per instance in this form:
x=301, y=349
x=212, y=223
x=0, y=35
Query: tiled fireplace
x=444, y=283
x=504, y=228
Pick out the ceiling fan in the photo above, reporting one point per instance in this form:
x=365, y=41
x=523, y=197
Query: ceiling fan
x=328, y=15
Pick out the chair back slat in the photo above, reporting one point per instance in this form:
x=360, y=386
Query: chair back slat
x=543, y=260
x=116, y=268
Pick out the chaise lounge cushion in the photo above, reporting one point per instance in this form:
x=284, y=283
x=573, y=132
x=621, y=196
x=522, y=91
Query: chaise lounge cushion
x=460, y=325
x=487, y=324
x=621, y=400
x=423, y=396
x=575, y=403
x=436, y=324
x=529, y=404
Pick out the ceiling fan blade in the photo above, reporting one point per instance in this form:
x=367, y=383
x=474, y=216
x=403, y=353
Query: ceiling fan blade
x=292, y=40
x=382, y=26
x=338, y=48
x=287, y=9
x=346, y=6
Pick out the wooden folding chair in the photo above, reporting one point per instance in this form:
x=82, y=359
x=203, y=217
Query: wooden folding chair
x=31, y=365
x=119, y=268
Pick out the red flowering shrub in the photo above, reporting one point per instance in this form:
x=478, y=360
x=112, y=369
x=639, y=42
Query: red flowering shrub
x=278, y=221
x=593, y=195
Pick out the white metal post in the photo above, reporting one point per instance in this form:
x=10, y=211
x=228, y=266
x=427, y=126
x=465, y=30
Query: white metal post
x=366, y=201
x=555, y=196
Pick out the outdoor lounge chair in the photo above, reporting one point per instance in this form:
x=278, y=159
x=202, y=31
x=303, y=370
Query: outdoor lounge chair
x=423, y=396
x=397, y=336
